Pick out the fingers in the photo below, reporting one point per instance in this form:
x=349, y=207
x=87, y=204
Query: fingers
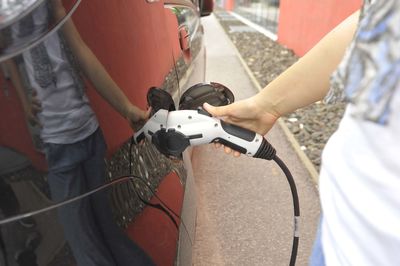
x=230, y=151
x=36, y=108
x=135, y=114
x=36, y=105
x=221, y=111
x=137, y=117
x=146, y=114
x=32, y=109
x=34, y=121
x=227, y=150
x=236, y=154
x=36, y=102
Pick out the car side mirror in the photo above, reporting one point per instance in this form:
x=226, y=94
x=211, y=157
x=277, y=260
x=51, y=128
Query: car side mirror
x=213, y=93
x=206, y=7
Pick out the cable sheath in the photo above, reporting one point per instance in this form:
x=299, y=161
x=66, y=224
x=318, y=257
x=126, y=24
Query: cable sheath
x=296, y=208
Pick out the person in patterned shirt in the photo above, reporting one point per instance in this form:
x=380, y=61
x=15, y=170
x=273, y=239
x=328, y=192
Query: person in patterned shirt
x=360, y=174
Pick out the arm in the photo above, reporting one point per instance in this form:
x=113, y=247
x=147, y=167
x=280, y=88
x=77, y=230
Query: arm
x=310, y=75
x=31, y=107
x=305, y=82
x=95, y=71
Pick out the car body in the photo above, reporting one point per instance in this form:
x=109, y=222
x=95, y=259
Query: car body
x=140, y=44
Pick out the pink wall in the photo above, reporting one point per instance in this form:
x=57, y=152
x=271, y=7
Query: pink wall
x=302, y=23
x=228, y=4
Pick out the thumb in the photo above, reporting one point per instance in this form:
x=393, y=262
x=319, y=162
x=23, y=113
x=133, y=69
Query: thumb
x=146, y=114
x=217, y=111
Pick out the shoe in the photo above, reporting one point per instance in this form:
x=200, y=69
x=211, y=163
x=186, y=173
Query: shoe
x=25, y=257
x=33, y=240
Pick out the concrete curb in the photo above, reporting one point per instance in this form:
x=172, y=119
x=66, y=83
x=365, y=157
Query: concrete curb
x=296, y=146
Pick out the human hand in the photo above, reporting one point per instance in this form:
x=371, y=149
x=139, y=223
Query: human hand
x=32, y=109
x=136, y=116
x=248, y=113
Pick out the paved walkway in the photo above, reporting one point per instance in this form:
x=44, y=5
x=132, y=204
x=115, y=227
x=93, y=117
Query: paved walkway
x=245, y=210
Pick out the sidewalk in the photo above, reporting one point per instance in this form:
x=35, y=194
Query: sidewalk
x=245, y=210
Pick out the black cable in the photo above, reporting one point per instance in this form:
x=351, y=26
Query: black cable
x=156, y=206
x=292, y=184
x=296, y=208
x=155, y=195
x=267, y=152
x=165, y=205
x=144, y=182
x=159, y=207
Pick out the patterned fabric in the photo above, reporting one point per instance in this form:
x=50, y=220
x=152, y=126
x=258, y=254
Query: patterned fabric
x=43, y=69
x=370, y=71
x=52, y=71
x=75, y=70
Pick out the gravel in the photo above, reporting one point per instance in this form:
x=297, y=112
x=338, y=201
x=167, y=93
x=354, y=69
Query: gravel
x=312, y=125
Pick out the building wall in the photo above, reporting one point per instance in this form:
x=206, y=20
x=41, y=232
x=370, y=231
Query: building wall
x=302, y=23
x=226, y=4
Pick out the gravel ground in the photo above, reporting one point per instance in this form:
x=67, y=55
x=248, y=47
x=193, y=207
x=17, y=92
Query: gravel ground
x=312, y=125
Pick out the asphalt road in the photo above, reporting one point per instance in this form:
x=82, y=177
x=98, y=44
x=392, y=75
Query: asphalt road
x=245, y=209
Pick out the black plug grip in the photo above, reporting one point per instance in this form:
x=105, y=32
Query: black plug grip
x=266, y=151
x=231, y=145
x=237, y=131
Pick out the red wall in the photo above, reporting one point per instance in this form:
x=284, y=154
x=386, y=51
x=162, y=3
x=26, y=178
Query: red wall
x=302, y=23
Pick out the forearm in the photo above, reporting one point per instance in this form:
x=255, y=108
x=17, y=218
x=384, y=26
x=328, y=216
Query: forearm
x=307, y=81
x=91, y=66
x=104, y=84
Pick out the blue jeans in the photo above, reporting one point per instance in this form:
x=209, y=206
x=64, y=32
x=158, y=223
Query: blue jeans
x=89, y=227
x=317, y=256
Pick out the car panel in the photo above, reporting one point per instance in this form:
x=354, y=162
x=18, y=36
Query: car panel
x=146, y=33
x=14, y=12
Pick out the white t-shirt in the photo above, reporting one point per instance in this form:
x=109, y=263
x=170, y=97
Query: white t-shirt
x=360, y=174
x=66, y=115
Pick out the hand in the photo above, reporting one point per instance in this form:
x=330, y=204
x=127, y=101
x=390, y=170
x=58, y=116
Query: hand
x=32, y=109
x=136, y=117
x=248, y=113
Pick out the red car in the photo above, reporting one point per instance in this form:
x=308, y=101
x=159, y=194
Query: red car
x=74, y=189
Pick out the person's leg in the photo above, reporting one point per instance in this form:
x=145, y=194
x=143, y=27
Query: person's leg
x=317, y=255
x=66, y=180
x=124, y=250
x=8, y=200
